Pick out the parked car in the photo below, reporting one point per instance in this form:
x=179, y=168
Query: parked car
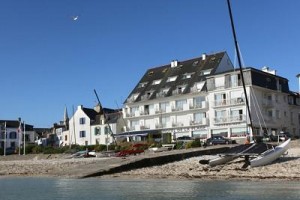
x=184, y=139
x=219, y=140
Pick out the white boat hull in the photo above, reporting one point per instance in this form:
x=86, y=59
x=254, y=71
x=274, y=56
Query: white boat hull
x=270, y=155
x=220, y=160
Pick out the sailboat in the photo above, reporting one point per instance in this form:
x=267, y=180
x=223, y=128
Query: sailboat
x=264, y=154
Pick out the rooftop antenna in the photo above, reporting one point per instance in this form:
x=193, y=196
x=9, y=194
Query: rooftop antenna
x=240, y=63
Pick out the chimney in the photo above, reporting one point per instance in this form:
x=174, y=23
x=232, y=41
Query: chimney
x=174, y=63
x=266, y=69
x=203, y=56
x=298, y=76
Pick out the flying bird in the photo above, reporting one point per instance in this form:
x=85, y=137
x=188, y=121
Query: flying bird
x=75, y=18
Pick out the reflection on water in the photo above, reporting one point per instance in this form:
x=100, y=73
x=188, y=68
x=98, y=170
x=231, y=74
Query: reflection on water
x=79, y=189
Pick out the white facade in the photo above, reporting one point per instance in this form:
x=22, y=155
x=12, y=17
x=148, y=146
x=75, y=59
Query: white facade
x=220, y=109
x=84, y=131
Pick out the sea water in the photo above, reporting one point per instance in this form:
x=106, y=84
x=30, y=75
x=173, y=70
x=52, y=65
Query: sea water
x=21, y=188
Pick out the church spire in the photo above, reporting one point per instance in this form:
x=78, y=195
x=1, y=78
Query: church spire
x=66, y=117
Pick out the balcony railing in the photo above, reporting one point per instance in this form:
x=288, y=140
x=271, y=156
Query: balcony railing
x=144, y=112
x=159, y=111
x=161, y=125
x=198, y=105
x=203, y=121
x=229, y=102
x=268, y=103
x=130, y=114
x=230, y=119
x=177, y=108
x=145, y=127
x=177, y=124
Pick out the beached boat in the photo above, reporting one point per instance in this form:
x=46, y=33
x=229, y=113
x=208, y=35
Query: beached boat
x=222, y=159
x=270, y=155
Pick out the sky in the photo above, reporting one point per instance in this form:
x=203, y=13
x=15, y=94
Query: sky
x=48, y=61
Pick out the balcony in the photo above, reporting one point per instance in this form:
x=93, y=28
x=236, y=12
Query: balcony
x=229, y=102
x=177, y=108
x=268, y=103
x=160, y=125
x=201, y=105
x=203, y=121
x=230, y=119
x=130, y=114
x=145, y=127
x=145, y=112
x=160, y=111
x=177, y=124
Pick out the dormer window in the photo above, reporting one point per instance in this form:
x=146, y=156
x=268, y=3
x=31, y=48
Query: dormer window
x=156, y=82
x=187, y=75
x=172, y=78
x=163, y=92
x=133, y=97
x=141, y=85
x=205, y=72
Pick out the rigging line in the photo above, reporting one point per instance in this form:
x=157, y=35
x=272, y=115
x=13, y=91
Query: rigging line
x=261, y=115
x=127, y=128
x=240, y=63
x=105, y=118
x=255, y=108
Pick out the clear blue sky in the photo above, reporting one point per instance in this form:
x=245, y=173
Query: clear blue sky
x=49, y=61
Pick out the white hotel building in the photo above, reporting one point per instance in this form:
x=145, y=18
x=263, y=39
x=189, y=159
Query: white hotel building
x=204, y=96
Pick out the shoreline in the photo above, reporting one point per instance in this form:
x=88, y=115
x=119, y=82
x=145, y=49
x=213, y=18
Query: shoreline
x=286, y=168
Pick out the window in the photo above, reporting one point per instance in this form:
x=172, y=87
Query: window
x=82, y=120
x=198, y=117
x=172, y=78
x=165, y=121
x=141, y=85
x=13, y=135
x=220, y=82
x=66, y=137
x=82, y=134
x=180, y=103
x=156, y=82
x=97, y=131
x=187, y=75
x=197, y=101
x=106, y=130
x=163, y=106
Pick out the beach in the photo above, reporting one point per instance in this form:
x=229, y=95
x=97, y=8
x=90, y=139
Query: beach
x=286, y=167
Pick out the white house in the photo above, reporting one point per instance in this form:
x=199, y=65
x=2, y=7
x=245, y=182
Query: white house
x=14, y=132
x=93, y=126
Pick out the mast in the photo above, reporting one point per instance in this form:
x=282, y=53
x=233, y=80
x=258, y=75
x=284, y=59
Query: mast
x=101, y=108
x=240, y=63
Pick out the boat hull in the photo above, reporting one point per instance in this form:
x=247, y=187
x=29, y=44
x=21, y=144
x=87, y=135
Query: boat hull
x=270, y=155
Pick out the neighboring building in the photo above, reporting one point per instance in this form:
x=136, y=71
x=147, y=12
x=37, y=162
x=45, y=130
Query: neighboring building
x=89, y=126
x=14, y=131
x=42, y=136
x=273, y=108
x=204, y=96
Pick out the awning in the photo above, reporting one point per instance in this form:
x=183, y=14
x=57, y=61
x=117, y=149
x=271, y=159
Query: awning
x=135, y=133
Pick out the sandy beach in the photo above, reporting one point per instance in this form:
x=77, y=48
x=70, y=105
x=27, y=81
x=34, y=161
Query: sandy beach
x=286, y=168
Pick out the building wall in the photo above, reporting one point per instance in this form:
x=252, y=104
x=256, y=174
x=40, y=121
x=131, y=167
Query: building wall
x=81, y=129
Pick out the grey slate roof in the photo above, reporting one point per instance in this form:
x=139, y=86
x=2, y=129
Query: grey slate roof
x=194, y=66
